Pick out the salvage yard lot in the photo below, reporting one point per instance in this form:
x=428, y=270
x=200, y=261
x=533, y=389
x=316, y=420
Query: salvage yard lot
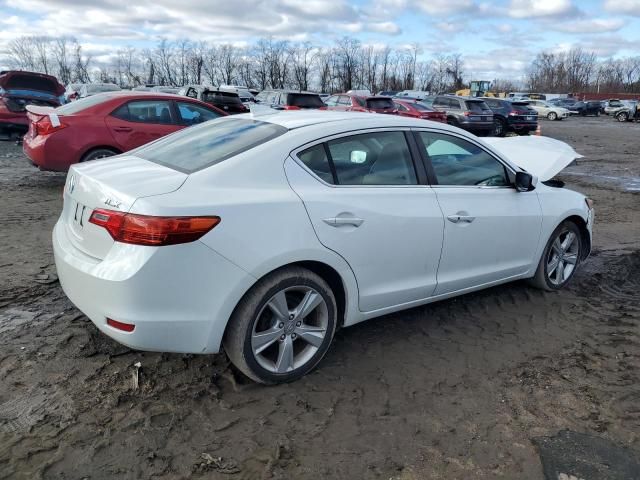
x=456, y=389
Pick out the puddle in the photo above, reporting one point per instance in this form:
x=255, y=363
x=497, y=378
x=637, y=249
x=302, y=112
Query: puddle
x=630, y=184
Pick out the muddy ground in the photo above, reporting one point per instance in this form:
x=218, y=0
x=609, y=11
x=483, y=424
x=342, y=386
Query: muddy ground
x=453, y=390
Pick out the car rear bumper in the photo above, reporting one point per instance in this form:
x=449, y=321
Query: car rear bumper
x=178, y=297
x=44, y=155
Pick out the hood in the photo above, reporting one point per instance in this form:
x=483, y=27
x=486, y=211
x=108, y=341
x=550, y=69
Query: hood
x=543, y=157
x=39, y=82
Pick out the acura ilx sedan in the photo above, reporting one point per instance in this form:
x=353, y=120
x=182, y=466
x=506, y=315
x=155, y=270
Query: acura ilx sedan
x=263, y=234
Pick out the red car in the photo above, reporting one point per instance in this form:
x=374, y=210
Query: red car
x=19, y=89
x=107, y=124
x=360, y=103
x=415, y=109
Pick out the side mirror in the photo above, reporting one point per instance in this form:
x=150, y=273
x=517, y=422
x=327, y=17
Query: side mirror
x=524, y=182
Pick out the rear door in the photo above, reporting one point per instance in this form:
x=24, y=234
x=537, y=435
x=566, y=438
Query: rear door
x=491, y=231
x=366, y=203
x=141, y=121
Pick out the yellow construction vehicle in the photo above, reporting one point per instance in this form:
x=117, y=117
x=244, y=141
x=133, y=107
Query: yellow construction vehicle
x=477, y=88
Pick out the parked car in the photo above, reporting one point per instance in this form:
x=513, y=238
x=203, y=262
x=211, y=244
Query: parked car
x=548, y=110
x=614, y=106
x=413, y=94
x=228, y=101
x=415, y=109
x=585, y=108
x=630, y=112
x=470, y=114
x=19, y=89
x=287, y=242
x=89, y=89
x=387, y=93
x=164, y=89
x=72, y=92
x=511, y=116
x=243, y=92
x=107, y=124
x=290, y=99
x=356, y=103
x=563, y=102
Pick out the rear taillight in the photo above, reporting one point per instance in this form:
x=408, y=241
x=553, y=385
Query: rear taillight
x=151, y=230
x=44, y=126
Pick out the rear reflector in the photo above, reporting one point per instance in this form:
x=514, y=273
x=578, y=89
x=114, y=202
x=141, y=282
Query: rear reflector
x=150, y=230
x=125, y=327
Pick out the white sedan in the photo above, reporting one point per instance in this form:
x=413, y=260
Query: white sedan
x=266, y=233
x=548, y=110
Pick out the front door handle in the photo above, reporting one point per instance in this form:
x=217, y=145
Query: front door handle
x=338, y=221
x=123, y=129
x=461, y=218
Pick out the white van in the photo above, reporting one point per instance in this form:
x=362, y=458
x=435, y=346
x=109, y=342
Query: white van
x=418, y=94
x=242, y=91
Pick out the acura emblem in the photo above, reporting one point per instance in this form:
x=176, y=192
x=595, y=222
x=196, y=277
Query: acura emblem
x=72, y=184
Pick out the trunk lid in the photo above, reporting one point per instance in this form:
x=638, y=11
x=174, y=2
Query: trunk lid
x=31, y=82
x=543, y=157
x=113, y=184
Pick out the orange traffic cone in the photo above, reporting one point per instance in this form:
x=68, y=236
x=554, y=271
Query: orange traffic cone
x=538, y=131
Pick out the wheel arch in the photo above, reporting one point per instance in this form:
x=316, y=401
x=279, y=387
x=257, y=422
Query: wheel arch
x=585, y=237
x=93, y=148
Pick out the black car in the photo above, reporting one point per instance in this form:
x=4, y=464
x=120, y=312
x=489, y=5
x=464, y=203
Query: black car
x=290, y=99
x=585, y=108
x=471, y=114
x=227, y=101
x=508, y=116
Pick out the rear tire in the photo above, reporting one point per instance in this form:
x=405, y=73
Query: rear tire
x=560, y=258
x=282, y=327
x=499, y=128
x=622, y=117
x=98, y=153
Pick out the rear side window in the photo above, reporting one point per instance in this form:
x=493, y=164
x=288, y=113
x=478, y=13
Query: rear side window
x=145, y=111
x=380, y=103
x=303, y=100
x=380, y=158
x=193, y=149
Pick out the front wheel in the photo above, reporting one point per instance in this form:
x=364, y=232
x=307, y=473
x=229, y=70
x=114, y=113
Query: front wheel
x=282, y=327
x=622, y=117
x=560, y=258
x=552, y=116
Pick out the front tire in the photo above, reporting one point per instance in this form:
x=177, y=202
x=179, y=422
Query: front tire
x=622, y=117
x=552, y=116
x=560, y=258
x=282, y=327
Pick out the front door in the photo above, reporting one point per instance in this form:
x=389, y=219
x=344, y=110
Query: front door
x=365, y=203
x=491, y=231
x=141, y=121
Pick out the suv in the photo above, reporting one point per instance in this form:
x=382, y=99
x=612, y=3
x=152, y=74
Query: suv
x=348, y=102
x=228, y=101
x=471, y=114
x=512, y=117
x=290, y=99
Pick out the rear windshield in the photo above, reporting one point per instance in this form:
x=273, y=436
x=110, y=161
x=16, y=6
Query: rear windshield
x=477, y=106
x=221, y=98
x=83, y=104
x=304, y=100
x=380, y=103
x=199, y=147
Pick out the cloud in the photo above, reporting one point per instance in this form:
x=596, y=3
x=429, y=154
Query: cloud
x=541, y=9
x=429, y=7
x=595, y=25
x=628, y=7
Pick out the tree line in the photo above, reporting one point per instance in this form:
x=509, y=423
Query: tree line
x=345, y=65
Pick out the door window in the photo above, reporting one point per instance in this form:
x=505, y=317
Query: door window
x=192, y=114
x=145, y=111
x=459, y=162
x=332, y=101
x=344, y=101
x=192, y=93
x=381, y=158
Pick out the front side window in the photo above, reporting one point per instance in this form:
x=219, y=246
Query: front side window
x=193, y=149
x=145, y=111
x=332, y=101
x=192, y=114
x=457, y=162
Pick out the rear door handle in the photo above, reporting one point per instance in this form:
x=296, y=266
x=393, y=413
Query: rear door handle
x=461, y=218
x=338, y=221
x=123, y=129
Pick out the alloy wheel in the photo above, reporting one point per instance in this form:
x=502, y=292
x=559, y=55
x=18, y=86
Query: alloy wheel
x=563, y=257
x=289, y=329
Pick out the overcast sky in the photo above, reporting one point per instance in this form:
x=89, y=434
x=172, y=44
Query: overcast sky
x=498, y=38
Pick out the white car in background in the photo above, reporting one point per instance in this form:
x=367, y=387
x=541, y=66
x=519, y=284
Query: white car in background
x=266, y=233
x=548, y=110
